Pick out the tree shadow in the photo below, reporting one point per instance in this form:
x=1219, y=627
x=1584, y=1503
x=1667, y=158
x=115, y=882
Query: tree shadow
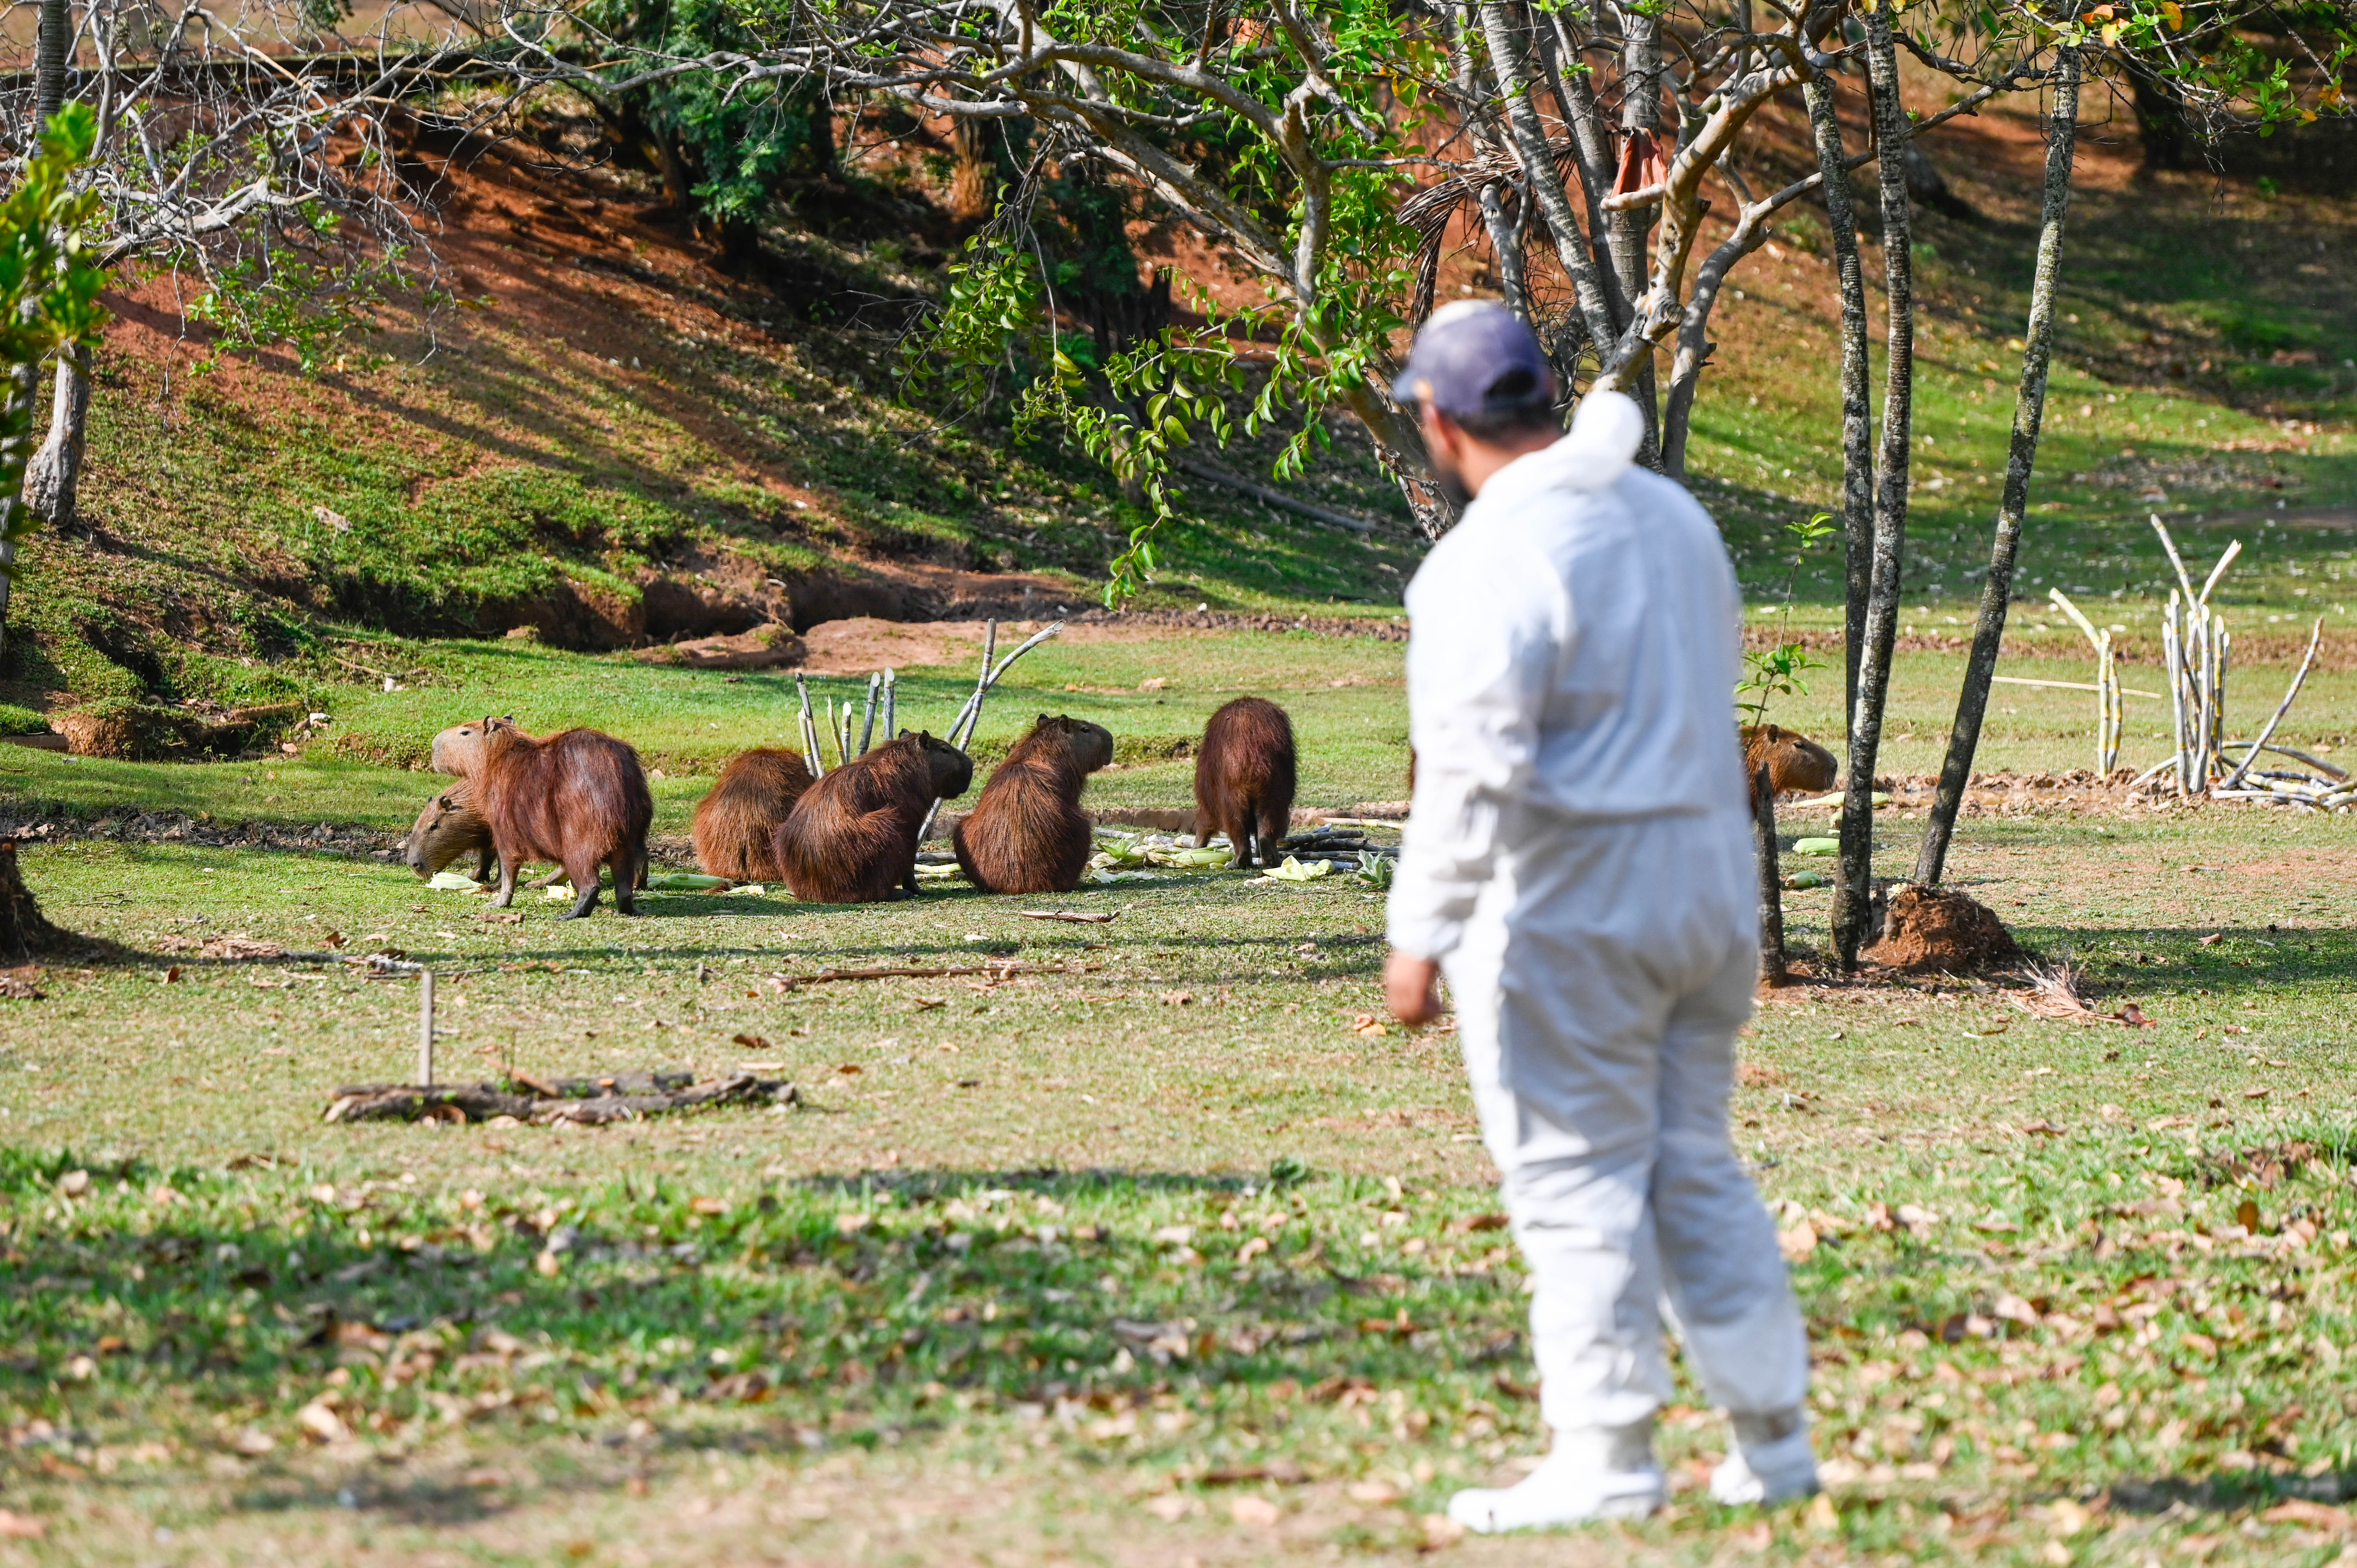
x=254, y=1312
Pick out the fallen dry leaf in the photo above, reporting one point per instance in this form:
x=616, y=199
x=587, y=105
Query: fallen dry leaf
x=1256, y=1511
x=320, y=1422
x=2042, y=1128
x=1170, y=1508
x=22, y=1527
x=2307, y=1511
x=501, y=917
x=1797, y=1243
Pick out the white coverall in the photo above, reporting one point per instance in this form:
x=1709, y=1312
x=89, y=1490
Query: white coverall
x=1579, y=861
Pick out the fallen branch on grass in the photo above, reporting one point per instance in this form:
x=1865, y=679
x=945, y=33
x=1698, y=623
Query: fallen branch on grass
x=590, y=1102
x=1081, y=917
x=933, y=972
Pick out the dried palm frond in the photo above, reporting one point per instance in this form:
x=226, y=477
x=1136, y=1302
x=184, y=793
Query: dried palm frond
x=2054, y=993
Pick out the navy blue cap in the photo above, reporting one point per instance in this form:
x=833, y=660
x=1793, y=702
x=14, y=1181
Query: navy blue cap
x=1474, y=356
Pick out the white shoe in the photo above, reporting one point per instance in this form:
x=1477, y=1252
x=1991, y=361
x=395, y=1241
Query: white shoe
x=1767, y=1472
x=1568, y=1488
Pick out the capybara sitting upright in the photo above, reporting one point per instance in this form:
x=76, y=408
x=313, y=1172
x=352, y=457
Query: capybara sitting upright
x=736, y=822
x=578, y=798
x=1027, y=835
x=459, y=747
x=1244, y=779
x=1793, y=760
x=852, y=838
x=449, y=827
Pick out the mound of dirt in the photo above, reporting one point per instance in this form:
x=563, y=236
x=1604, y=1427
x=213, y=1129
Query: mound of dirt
x=1938, y=927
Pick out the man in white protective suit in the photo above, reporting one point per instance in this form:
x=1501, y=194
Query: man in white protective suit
x=1579, y=864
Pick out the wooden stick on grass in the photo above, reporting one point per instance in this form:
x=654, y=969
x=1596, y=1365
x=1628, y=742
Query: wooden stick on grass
x=2234, y=779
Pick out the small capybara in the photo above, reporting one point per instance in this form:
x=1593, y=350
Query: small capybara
x=459, y=747
x=852, y=838
x=736, y=822
x=1794, y=761
x=1244, y=779
x=448, y=828
x=578, y=798
x=1027, y=835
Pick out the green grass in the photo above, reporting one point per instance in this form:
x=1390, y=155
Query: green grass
x=917, y=1279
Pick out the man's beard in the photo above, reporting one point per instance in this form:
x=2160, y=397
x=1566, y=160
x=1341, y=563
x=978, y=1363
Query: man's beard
x=1449, y=481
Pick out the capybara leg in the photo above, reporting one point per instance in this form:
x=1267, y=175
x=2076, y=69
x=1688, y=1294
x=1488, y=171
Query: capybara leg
x=1273, y=829
x=486, y=864
x=585, y=883
x=629, y=875
x=506, y=895
x=1240, y=840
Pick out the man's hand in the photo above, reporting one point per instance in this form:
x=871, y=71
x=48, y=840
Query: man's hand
x=1411, y=988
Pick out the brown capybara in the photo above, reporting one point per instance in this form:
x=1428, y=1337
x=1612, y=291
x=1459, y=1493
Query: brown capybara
x=1027, y=835
x=447, y=829
x=459, y=747
x=1793, y=760
x=578, y=798
x=736, y=822
x=852, y=838
x=1244, y=779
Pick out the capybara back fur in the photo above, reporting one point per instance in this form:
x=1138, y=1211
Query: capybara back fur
x=1243, y=779
x=852, y=838
x=450, y=826
x=578, y=798
x=1027, y=834
x=736, y=824
x=459, y=747
x=1793, y=760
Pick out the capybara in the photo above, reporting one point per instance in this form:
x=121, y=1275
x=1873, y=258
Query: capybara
x=1244, y=779
x=578, y=798
x=852, y=838
x=459, y=747
x=447, y=829
x=736, y=822
x=1027, y=835
x=1794, y=761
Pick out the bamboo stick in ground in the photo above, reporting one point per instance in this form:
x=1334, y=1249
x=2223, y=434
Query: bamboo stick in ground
x=2234, y=548
x=2173, y=655
x=867, y=724
x=891, y=702
x=809, y=731
x=2174, y=559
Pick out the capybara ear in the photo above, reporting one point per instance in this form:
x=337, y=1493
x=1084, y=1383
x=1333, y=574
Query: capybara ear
x=1043, y=718
x=445, y=803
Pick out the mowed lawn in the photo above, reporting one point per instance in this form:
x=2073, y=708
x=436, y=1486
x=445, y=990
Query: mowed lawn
x=1160, y=1248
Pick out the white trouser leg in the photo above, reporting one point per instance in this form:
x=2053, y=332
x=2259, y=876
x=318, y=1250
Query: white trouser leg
x=1725, y=1275
x=1597, y=996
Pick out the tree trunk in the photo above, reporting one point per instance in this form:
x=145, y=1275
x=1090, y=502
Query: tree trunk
x=1854, y=893
x=54, y=474
x=53, y=39
x=1772, y=880
x=2029, y=416
x=1857, y=449
x=51, y=478
x=24, y=930
x=1540, y=176
x=1632, y=236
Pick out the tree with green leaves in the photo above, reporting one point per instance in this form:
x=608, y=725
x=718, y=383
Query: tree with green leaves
x=48, y=304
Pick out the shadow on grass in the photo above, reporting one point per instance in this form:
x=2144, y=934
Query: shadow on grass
x=262, y=1313
x=2135, y=959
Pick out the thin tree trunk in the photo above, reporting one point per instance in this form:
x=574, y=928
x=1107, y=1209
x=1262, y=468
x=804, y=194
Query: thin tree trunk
x=2029, y=416
x=54, y=475
x=1857, y=413
x=51, y=477
x=1575, y=93
x=1772, y=880
x=1854, y=894
x=1539, y=178
x=1632, y=237
x=1694, y=347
